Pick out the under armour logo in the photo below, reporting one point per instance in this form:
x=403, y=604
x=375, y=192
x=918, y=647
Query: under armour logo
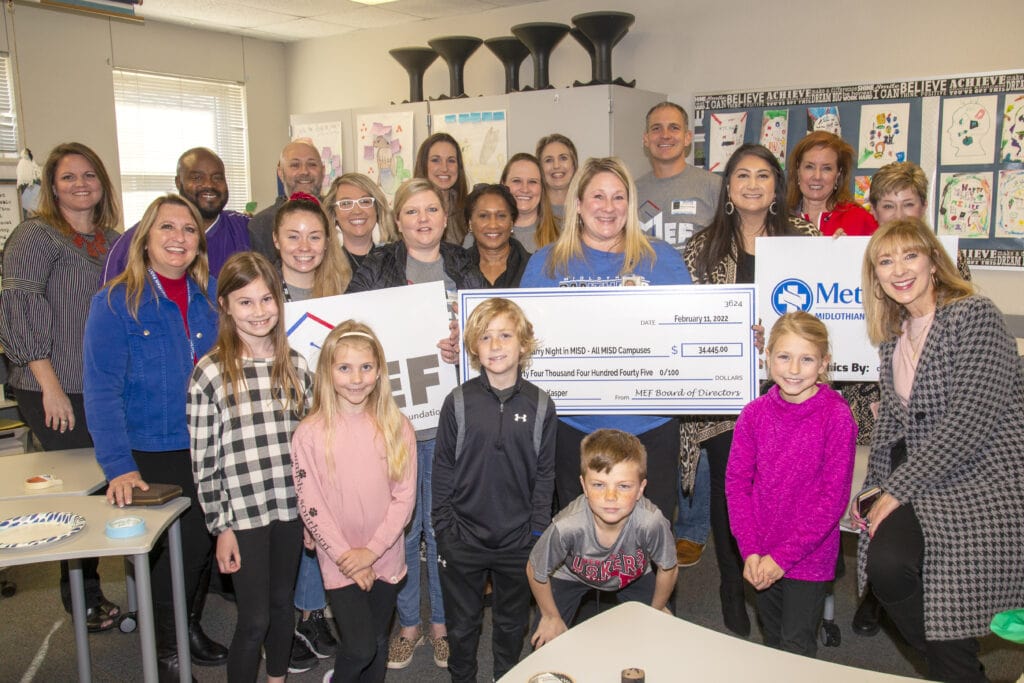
x=519, y=418
x=441, y=561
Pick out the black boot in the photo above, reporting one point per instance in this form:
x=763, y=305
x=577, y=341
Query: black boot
x=168, y=667
x=866, y=618
x=205, y=651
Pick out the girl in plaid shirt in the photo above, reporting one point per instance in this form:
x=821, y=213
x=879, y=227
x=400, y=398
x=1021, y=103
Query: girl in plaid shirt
x=246, y=398
x=354, y=460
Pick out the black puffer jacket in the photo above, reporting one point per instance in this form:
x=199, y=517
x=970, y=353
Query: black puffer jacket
x=385, y=267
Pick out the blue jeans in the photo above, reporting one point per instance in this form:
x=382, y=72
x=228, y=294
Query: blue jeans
x=693, y=520
x=421, y=527
x=309, y=585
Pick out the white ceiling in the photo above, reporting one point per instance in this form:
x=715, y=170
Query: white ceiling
x=290, y=20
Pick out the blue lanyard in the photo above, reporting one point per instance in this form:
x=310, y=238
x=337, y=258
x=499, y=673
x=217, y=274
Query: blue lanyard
x=188, y=299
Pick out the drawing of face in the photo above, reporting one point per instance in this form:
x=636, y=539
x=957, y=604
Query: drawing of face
x=968, y=125
x=965, y=205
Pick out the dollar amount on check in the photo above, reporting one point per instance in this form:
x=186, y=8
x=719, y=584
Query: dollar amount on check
x=639, y=350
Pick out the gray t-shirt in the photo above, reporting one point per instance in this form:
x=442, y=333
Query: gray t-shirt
x=418, y=272
x=527, y=235
x=675, y=208
x=569, y=550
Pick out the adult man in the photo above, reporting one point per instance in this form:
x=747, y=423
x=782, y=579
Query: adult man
x=200, y=179
x=675, y=201
x=299, y=169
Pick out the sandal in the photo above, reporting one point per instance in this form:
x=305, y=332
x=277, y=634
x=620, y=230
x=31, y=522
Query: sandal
x=97, y=620
x=111, y=610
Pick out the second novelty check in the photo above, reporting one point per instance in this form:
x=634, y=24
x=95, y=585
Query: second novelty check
x=682, y=350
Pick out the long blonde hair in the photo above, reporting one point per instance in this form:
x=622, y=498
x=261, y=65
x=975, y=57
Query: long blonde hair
x=884, y=316
x=136, y=276
x=241, y=270
x=548, y=225
x=380, y=405
x=809, y=328
x=569, y=245
x=333, y=274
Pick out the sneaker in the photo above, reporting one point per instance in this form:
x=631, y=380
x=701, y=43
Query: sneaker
x=440, y=646
x=400, y=651
x=328, y=677
x=688, y=553
x=302, y=659
x=315, y=632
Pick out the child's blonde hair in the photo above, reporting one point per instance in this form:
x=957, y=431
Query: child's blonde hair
x=603, y=449
x=482, y=316
x=380, y=404
x=807, y=327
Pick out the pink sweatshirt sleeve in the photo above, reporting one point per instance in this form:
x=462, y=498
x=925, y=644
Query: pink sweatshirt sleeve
x=739, y=484
x=309, y=472
x=403, y=500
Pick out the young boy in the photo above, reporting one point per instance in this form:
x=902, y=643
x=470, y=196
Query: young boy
x=493, y=480
x=606, y=539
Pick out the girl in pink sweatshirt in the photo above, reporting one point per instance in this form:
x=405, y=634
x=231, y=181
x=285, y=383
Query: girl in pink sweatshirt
x=354, y=466
x=788, y=482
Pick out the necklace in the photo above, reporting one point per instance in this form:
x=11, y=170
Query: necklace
x=96, y=247
x=917, y=341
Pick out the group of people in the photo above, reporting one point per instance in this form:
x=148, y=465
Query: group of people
x=165, y=350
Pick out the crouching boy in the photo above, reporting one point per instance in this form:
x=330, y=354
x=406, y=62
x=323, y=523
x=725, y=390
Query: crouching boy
x=607, y=538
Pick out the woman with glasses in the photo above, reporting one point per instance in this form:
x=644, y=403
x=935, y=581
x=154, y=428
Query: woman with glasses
x=361, y=212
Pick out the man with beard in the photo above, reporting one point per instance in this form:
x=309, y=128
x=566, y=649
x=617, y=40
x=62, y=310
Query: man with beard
x=200, y=180
x=300, y=169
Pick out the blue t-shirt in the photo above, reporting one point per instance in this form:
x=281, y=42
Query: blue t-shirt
x=601, y=269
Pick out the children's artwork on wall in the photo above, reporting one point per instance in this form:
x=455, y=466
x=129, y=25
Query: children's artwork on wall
x=385, y=148
x=325, y=136
x=774, y=132
x=1010, y=203
x=968, y=132
x=883, y=134
x=965, y=204
x=824, y=118
x=727, y=133
x=1012, y=146
x=862, y=190
x=483, y=137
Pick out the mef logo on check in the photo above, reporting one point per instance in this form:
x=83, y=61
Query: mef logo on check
x=796, y=295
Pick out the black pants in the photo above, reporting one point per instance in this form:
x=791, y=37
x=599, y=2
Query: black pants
x=464, y=570
x=363, y=619
x=568, y=595
x=30, y=406
x=662, y=444
x=265, y=589
x=790, y=611
x=730, y=563
x=895, y=561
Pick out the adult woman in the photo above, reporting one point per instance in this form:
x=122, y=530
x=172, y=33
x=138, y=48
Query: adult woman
x=312, y=263
x=750, y=206
x=146, y=330
x=942, y=552
x=536, y=225
x=602, y=244
x=559, y=160
x=491, y=214
x=819, y=186
x=361, y=212
x=439, y=160
x=52, y=266
x=420, y=256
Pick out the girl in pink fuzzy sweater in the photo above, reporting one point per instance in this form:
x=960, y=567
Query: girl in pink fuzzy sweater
x=788, y=483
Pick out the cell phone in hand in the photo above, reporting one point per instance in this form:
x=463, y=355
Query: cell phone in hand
x=866, y=499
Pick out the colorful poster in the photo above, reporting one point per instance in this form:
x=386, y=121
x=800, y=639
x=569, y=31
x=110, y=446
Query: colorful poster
x=385, y=150
x=883, y=134
x=727, y=133
x=325, y=136
x=1010, y=204
x=965, y=204
x=1012, y=146
x=775, y=132
x=824, y=118
x=968, y=134
x=483, y=137
x=862, y=190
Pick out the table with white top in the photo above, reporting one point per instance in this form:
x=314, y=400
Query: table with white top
x=636, y=635
x=76, y=468
x=92, y=541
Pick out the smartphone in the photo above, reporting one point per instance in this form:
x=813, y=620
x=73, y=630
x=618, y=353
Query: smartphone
x=866, y=499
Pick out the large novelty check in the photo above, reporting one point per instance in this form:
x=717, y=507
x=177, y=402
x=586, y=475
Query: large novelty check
x=639, y=350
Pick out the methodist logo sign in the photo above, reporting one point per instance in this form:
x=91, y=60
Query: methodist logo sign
x=793, y=294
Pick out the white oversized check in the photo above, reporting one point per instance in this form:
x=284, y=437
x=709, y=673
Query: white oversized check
x=676, y=350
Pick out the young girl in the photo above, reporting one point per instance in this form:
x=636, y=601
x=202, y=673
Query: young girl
x=788, y=482
x=245, y=400
x=354, y=460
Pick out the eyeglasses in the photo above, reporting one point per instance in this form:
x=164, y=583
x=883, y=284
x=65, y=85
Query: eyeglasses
x=349, y=204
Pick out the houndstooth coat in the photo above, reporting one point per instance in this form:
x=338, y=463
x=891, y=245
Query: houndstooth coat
x=964, y=472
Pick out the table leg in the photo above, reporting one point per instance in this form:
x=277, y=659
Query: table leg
x=180, y=611
x=147, y=634
x=78, y=616
x=129, y=585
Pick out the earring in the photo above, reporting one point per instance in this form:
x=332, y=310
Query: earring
x=730, y=208
x=773, y=209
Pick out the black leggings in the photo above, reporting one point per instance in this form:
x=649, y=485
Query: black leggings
x=363, y=618
x=730, y=564
x=265, y=589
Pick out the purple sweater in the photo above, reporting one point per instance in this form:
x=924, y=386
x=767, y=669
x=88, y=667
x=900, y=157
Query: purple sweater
x=788, y=480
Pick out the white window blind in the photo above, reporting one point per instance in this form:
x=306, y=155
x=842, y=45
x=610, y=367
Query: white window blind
x=8, y=117
x=159, y=117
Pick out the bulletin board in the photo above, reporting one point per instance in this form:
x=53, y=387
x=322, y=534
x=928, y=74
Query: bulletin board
x=966, y=132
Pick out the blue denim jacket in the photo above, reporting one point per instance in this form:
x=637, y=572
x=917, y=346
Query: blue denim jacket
x=137, y=372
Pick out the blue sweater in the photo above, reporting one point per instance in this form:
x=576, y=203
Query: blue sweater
x=137, y=372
